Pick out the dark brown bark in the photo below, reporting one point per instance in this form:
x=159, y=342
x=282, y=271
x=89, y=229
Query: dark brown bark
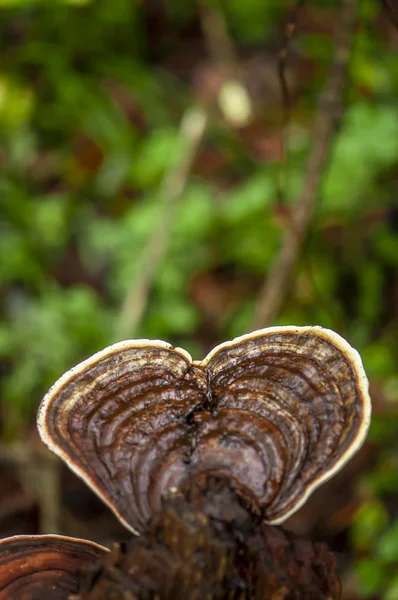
x=210, y=545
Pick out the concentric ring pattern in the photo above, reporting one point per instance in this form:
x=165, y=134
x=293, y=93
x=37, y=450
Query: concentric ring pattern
x=277, y=411
x=43, y=566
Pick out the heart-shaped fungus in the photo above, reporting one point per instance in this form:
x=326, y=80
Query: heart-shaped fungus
x=44, y=566
x=276, y=412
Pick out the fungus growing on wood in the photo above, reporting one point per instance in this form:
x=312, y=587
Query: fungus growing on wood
x=44, y=566
x=200, y=457
x=278, y=412
x=210, y=546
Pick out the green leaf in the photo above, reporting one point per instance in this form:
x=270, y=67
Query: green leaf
x=387, y=546
x=367, y=143
x=250, y=197
x=155, y=155
x=195, y=216
x=50, y=220
x=372, y=577
x=392, y=592
x=368, y=522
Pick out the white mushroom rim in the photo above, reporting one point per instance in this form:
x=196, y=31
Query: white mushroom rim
x=362, y=386
x=45, y=537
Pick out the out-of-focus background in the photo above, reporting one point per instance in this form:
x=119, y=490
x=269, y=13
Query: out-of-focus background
x=151, y=165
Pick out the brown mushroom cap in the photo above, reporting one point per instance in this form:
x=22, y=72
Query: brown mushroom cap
x=43, y=566
x=278, y=411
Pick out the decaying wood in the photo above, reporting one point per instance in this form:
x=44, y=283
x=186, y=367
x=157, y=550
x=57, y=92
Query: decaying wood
x=211, y=545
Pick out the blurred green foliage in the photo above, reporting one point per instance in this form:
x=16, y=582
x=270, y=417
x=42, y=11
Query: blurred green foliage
x=91, y=96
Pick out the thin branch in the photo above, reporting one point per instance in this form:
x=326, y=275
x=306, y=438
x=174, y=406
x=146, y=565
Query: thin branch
x=233, y=97
x=192, y=129
x=288, y=32
x=39, y=474
x=219, y=43
x=392, y=11
x=48, y=488
x=279, y=280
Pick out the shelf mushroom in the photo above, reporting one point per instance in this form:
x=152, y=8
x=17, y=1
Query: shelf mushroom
x=44, y=566
x=275, y=412
x=278, y=411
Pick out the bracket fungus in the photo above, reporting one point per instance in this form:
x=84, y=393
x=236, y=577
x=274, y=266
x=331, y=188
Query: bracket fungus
x=274, y=413
x=278, y=411
x=44, y=566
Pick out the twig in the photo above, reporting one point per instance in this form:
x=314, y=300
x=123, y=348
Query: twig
x=218, y=40
x=39, y=475
x=48, y=489
x=233, y=97
x=192, y=129
x=279, y=280
x=392, y=11
x=288, y=32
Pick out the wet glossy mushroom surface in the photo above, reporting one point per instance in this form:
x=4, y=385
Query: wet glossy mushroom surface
x=277, y=412
x=44, y=566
